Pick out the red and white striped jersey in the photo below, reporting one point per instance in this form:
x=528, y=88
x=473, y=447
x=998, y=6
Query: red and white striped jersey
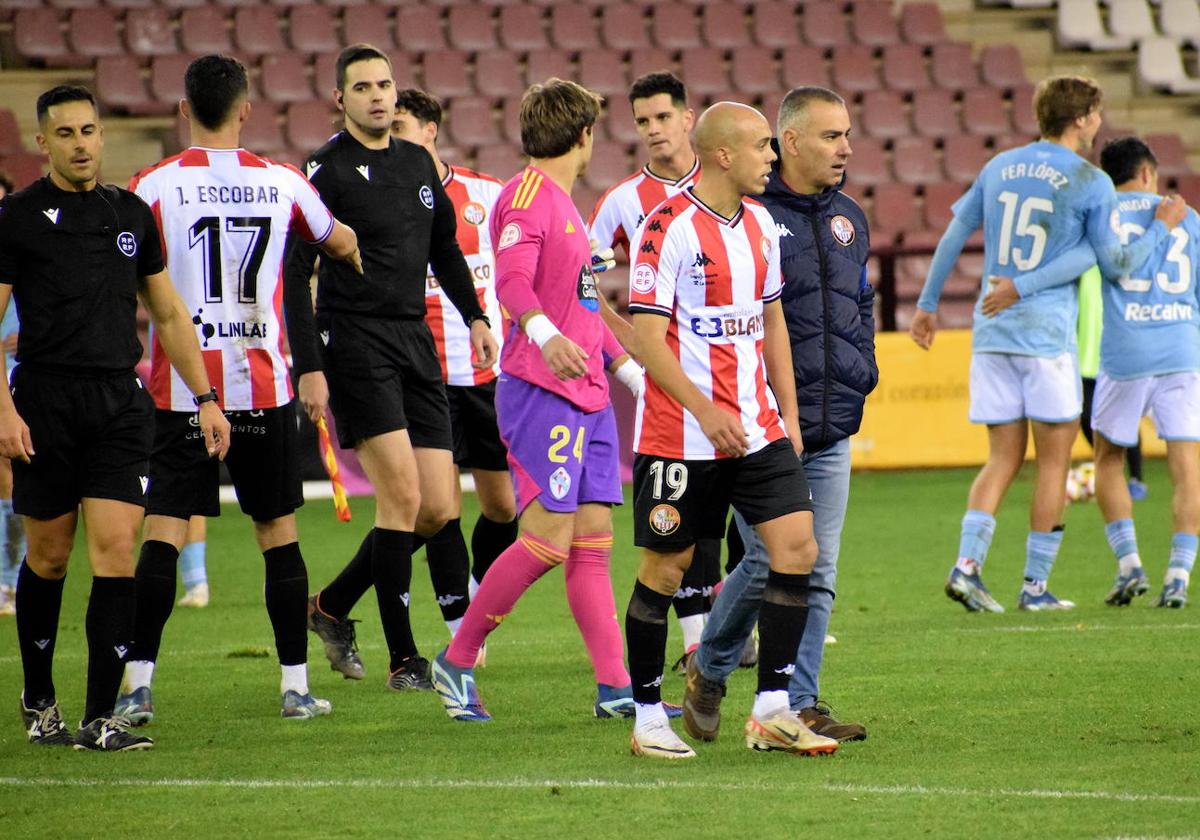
x=620, y=211
x=710, y=276
x=224, y=216
x=474, y=197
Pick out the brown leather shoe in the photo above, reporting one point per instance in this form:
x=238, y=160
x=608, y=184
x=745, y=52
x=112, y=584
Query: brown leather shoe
x=818, y=719
x=701, y=704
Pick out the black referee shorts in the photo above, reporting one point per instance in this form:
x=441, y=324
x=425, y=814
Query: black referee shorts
x=91, y=437
x=263, y=461
x=384, y=375
x=677, y=502
x=477, y=444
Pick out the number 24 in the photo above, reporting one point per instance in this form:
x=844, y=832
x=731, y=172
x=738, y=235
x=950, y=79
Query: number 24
x=561, y=436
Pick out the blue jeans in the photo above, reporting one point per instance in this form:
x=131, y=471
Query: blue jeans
x=736, y=610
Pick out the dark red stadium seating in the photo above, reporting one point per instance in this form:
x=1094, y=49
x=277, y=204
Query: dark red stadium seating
x=893, y=212
x=284, y=79
x=823, y=24
x=324, y=70
x=903, y=68
x=939, y=197
x=601, y=70
x=130, y=4
x=256, y=31
x=471, y=28
x=150, y=32
x=94, y=32
x=23, y=167
x=10, y=133
x=573, y=26
x=873, y=24
x=703, y=70
x=1171, y=153
x=774, y=23
x=884, y=115
x=497, y=74
x=649, y=60
x=624, y=27
x=1023, y=117
x=921, y=23
x=311, y=28
x=119, y=83
x=1189, y=187
x=502, y=161
x=202, y=30
x=309, y=125
x=366, y=24
x=953, y=68
x=419, y=30
x=510, y=120
x=915, y=161
x=963, y=155
x=523, y=28
x=934, y=113
x=724, y=25
x=854, y=69
x=70, y=4
x=610, y=163
x=676, y=26
x=868, y=164
x=618, y=122
x=804, y=65
x=404, y=69
x=446, y=73
x=38, y=33
x=472, y=122
x=261, y=132
x=985, y=112
x=1001, y=67
x=542, y=64
x=166, y=78
x=753, y=71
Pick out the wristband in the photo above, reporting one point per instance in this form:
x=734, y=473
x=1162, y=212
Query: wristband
x=540, y=329
x=211, y=396
x=631, y=375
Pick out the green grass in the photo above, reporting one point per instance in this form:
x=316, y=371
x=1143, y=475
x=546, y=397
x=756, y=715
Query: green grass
x=1081, y=724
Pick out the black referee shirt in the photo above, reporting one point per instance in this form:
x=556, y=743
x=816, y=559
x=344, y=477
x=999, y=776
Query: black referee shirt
x=75, y=261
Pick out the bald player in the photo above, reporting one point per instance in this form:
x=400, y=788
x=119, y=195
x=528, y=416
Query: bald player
x=704, y=294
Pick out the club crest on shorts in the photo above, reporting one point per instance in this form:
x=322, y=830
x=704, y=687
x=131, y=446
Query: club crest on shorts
x=511, y=235
x=842, y=229
x=127, y=243
x=560, y=483
x=664, y=520
x=474, y=213
x=644, y=278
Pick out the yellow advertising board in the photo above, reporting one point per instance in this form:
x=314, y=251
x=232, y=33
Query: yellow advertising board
x=917, y=417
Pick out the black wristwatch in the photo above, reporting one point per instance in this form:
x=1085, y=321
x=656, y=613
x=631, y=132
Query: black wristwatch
x=479, y=317
x=211, y=396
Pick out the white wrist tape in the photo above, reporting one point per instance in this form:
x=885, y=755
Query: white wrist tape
x=540, y=329
x=631, y=375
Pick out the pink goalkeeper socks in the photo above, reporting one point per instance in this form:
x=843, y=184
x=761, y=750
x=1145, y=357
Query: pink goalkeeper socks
x=590, y=596
x=515, y=570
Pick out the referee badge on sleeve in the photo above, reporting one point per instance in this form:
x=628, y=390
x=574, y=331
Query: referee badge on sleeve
x=127, y=243
x=426, y=196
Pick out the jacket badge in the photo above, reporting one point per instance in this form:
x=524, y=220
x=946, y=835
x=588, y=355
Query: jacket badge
x=842, y=229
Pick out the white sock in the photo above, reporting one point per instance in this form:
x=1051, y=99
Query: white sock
x=1034, y=587
x=138, y=674
x=1175, y=573
x=453, y=624
x=693, y=628
x=967, y=566
x=295, y=678
x=472, y=586
x=649, y=713
x=767, y=703
x=1128, y=563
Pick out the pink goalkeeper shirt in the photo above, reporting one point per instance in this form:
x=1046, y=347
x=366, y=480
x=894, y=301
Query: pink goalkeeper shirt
x=544, y=261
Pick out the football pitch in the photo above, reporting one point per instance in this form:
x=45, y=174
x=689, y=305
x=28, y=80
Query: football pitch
x=1077, y=724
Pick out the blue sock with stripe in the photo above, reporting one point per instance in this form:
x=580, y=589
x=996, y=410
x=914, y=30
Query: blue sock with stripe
x=1122, y=539
x=1041, y=550
x=977, y=531
x=191, y=564
x=1183, y=557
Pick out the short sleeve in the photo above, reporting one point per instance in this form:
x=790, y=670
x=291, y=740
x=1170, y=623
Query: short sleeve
x=773, y=285
x=654, y=272
x=605, y=223
x=150, y=251
x=311, y=219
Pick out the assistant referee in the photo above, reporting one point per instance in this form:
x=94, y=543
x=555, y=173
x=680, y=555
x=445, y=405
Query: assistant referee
x=76, y=256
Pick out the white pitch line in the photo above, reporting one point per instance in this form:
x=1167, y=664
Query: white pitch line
x=1071, y=628
x=583, y=784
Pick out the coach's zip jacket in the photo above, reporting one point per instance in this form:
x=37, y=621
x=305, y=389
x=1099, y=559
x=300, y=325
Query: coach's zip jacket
x=829, y=307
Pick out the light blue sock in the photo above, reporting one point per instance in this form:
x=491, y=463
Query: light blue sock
x=977, y=530
x=9, y=562
x=191, y=564
x=1122, y=538
x=1183, y=552
x=1041, y=550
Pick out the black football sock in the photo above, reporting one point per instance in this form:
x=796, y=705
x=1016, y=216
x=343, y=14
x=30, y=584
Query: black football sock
x=489, y=539
x=110, y=621
x=39, y=602
x=646, y=639
x=1133, y=457
x=446, y=552
x=391, y=567
x=690, y=599
x=286, y=593
x=781, y=621
x=352, y=582
x=734, y=546
x=155, y=587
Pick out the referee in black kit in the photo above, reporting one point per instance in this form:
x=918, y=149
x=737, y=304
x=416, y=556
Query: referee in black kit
x=76, y=255
x=385, y=382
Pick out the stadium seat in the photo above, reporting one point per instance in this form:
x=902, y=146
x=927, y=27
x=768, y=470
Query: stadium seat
x=10, y=133
x=883, y=114
x=69, y=4
x=1180, y=19
x=311, y=29
x=823, y=24
x=446, y=73
x=624, y=27
x=774, y=23
x=724, y=25
x=1171, y=152
x=542, y=64
x=1024, y=120
x=873, y=23
x=1189, y=187
x=649, y=60
x=471, y=28
x=256, y=31
x=284, y=79
x=804, y=65
x=166, y=78
x=522, y=28
x=500, y=161
x=419, y=30
x=921, y=24
x=610, y=163
x=471, y=121
x=261, y=133
x=23, y=167
x=366, y=24
x=119, y=83
x=893, y=212
x=497, y=74
x=1130, y=19
x=676, y=26
x=953, y=68
x=903, y=68
x=202, y=30
x=309, y=125
x=753, y=71
x=601, y=70
x=1080, y=26
x=984, y=112
x=854, y=69
x=934, y=113
x=915, y=161
x=963, y=155
x=703, y=70
x=182, y=4
x=1001, y=67
x=1160, y=65
x=510, y=120
x=618, y=122
x=38, y=33
x=868, y=164
x=573, y=26
x=939, y=198
x=94, y=32
x=150, y=32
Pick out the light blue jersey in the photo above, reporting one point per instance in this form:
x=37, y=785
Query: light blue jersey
x=1047, y=215
x=1152, y=314
x=9, y=326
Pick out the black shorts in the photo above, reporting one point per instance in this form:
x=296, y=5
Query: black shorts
x=263, y=462
x=91, y=437
x=477, y=443
x=384, y=375
x=676, y=503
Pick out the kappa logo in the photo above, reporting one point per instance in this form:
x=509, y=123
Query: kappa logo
x=51, y=214
x=425, y=194
x=657, y=681
x=641, y=218
x=365, y=171
x=120, y=650
x=310, y=169
x=787, y=669
x=783, y=229
x=654, y=226
x=648, y=248
x=447, y=600
x=702, y=260
x=144, y=480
